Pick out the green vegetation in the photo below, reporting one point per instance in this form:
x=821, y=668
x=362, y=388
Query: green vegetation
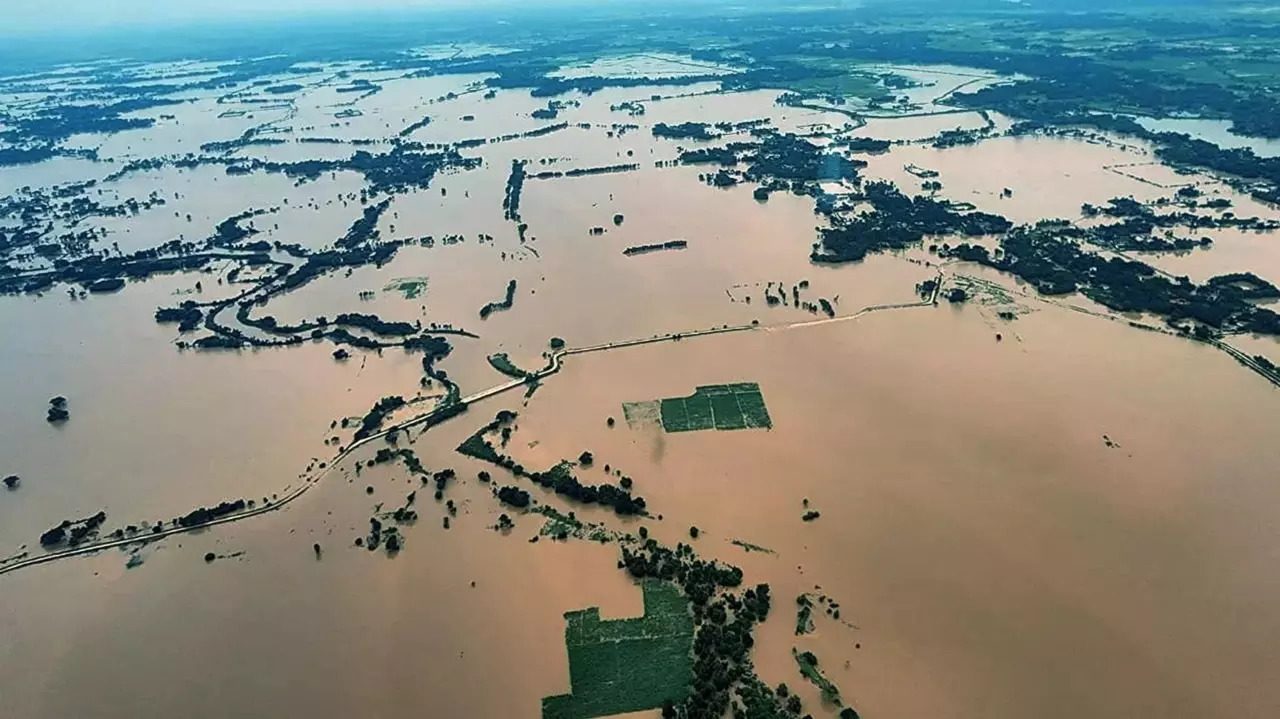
x=410, y=287
x=749, y=547
x=501, y=362
x=558, y=478
x=717, y=406
x=372, y=421
x=627, y=665
x=808, y=664
x=804, y=614
x=723, y=675
x=503, y=304
x=657, y=247
x=563, y=526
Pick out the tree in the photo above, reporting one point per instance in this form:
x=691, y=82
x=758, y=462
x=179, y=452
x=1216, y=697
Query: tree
x=668, y=709
x=12, y=481
x=514, y=496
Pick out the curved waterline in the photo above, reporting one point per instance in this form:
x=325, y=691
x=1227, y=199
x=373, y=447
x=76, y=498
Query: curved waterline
x=554, y=363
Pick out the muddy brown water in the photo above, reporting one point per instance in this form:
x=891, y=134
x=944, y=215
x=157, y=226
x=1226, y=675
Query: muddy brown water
x=996, y=557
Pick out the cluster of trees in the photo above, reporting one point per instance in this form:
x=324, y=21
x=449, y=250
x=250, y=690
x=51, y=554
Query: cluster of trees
x=1175, y=148
x=504, y=304
x=187, y=315
x=684, y=131
x=53, y=124
x=724, y=680
x=441, y=480
x=1064, y=83
x=584, y=171
x=58, y=410
x=204, y=515
x=788, y=157
x=538, y=132
x=559, y=478
x=514, y=497
x=1040, y=256
x=709, y=156
x=95, y=269
x=378, y=326
x=515, y=185
x=406, y=166
x=365, y=229
x=372, y=421
x=73, y=532
x=897, y=222
x=1136, y=223
x=668, y=245
x=866, y=144
x=246, y=140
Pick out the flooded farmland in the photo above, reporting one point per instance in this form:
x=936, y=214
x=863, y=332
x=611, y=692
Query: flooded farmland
x=1024, y=503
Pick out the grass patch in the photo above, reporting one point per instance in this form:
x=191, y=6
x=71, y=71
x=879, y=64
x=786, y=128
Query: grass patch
x=642, y=414
x=563, y=526
x=627, y=665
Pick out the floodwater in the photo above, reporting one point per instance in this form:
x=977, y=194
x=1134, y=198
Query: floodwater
x=993, y=556
x=1216, y=131
x=975, y=526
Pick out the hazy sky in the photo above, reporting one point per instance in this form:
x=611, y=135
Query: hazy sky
x=44, y=16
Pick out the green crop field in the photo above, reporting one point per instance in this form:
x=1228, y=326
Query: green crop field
x=716, y=406
x=627, y=665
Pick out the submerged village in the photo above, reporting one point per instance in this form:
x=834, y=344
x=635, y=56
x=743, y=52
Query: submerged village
x=756, y=380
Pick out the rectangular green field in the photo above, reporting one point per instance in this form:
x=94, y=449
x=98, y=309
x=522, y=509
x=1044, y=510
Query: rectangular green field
x=674, y=416
x=715, y=406
x=754, y=412
x=627, y=665
x=699, y=409
x=727, y=413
